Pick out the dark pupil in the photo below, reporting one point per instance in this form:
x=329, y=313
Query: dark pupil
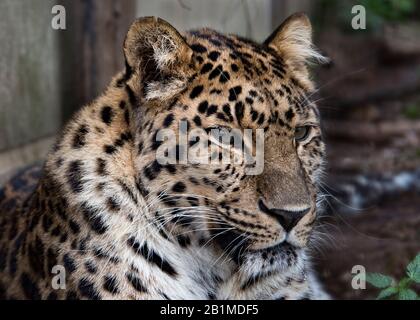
x=301, y=133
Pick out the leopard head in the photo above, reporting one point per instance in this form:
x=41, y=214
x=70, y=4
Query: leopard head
x=202, y=81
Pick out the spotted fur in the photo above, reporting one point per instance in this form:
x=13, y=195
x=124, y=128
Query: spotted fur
x=125, y=226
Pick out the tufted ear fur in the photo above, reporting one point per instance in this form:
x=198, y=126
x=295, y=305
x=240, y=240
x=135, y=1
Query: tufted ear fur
x=156, y=51
x=293, y=41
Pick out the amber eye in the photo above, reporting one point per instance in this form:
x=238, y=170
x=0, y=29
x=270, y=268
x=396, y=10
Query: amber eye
x=301, y=133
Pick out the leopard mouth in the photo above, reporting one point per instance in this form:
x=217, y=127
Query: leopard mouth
x=237, y=245
x=283, y=247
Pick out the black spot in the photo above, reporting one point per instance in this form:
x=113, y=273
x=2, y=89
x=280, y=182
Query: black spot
x=198, y=48
x=79, y=139
x=107, y=114
x=36, y=257
x=206, y=68
x=124, y=137
x=111, y=284
x=234, y=67
x=287, y=89
x=254, y=115
x=224, y=77
x=184, y=241
x=217, y=43
x=261, y=119
x=289, y=114
x=136, y=283
x=196, y=91
x=202, y=107
x=63, y=237
x=216, y=72
x=90, y=267
x=75, y=228
x=253, y=93
x=87, y=289
x=239, y=111
x=221, y=116
x=151, y=256
x=101, y=167
x=46, y=222
x=74, y=176
x=152, y=170
x=127, y=117
x=171, y=168
x=69, y=264
x=30, y=289
x=211, y=110
x=215, y=91
x=179, y=187
x=155, y=142
x=112, y=204
x=94, y=219
x=168, y=120
x=56, y=231
x=110, y=149
x=214, y=55
x=226, y=109
x=197, y=121
x=234, y=93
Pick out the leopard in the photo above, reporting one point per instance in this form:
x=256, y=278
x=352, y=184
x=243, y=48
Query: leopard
x=103, y=218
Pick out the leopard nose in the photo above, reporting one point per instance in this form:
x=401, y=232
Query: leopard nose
x=288, y=219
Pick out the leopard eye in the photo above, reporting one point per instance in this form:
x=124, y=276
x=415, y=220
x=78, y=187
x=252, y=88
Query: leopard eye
x=301, y=133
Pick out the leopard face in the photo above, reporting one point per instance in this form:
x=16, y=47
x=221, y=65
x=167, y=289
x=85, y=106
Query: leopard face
x=204, y=80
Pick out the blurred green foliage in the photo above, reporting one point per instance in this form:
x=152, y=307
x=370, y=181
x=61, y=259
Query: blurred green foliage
x=393, y=289
x=389, y=10
x=412, y=112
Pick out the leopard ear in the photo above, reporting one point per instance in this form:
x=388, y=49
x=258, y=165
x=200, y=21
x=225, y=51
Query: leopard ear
x=159, y=54
x=293, y=41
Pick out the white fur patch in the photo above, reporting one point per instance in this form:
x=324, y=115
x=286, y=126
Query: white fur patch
x=164, y=90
